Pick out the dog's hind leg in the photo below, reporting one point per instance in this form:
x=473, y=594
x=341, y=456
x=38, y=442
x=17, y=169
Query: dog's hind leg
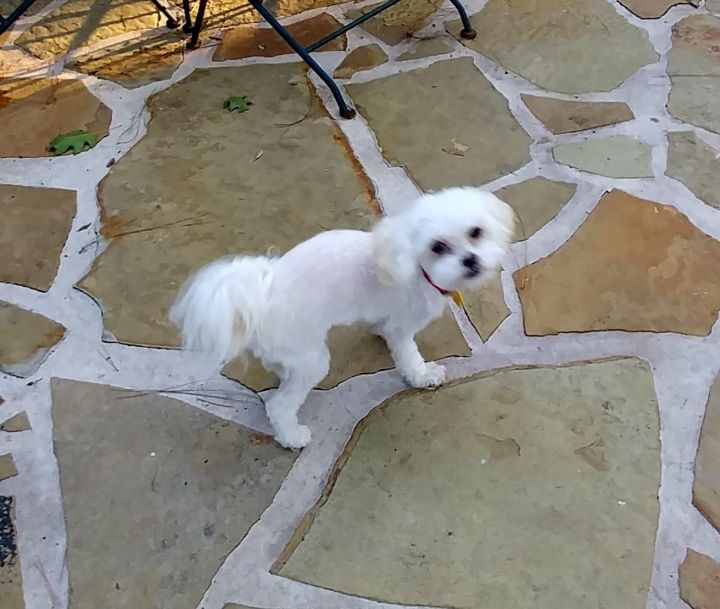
x=300, y=373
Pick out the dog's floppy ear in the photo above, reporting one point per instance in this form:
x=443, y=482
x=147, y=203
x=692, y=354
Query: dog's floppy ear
x=506, y=217
x=392, y=250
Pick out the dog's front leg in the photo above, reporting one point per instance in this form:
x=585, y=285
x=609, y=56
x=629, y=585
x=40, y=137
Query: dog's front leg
x=409, y=361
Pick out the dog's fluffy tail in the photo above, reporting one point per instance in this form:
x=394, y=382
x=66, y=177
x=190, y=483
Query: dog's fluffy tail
x=220, y=308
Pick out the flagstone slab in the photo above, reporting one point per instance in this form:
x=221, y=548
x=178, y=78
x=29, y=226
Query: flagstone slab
x=136, y=62
x=617, y=156
x=36, y=222
x=14, y=61
x=486, y=308
x=8, y=6
x=696, y=164
x=79, y=23
x=706, y=488
x=694, y=70
x=204, y=182
x=535, y=202
x=7, y=467
x=483, y=139
x=196, y=483
x=10, y=579
x=355, y=350
x=359, y=59
x=18, y=422
x=397, y=23
x=556, y=46
x=249, y=41
x=633, y=265
x=27, y=338
x=565, y=116
x=426, y=48
x=653, y=9
x=519, y=488
x=699, y=579
x=35, y=111
x=225, y=13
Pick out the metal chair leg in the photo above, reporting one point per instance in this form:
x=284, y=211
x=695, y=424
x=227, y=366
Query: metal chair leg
x=6, y=22
x=188, y=25
x=170, y=11
x=195, y=38
x=344, y=110
x=467, y=31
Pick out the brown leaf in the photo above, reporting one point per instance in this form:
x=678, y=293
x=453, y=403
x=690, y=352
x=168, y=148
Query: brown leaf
x=260, y=439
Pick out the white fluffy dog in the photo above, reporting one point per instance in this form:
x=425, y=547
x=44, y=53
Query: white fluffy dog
x=396, y=279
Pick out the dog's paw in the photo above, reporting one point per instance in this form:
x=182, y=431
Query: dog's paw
x=295, y=437
x=430, y=375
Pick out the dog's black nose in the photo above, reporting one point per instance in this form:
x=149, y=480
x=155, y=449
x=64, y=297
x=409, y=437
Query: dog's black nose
x=471, y=263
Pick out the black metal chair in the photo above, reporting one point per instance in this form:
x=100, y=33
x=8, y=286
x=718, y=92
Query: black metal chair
x=194, y=26
x=7, y=21
x=345, y=110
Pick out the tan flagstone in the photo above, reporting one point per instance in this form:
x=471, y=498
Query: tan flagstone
x=633, y=265
x=204, y=182
x=557, y=46
x=35, y=111
x=517, y=488
x=156, y=494
x=36, y=222
x=445, y=151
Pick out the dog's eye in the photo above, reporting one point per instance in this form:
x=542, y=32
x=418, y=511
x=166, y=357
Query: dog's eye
x=475, y=232
x=440, y=248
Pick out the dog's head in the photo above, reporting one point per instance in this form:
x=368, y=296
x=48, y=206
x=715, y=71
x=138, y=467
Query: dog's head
x=458, y=236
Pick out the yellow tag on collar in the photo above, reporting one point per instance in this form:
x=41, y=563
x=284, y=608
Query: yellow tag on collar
x=458, y=299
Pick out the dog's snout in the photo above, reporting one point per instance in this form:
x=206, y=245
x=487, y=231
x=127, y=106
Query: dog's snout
x=471, y=262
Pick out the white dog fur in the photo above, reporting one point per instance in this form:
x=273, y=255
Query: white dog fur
x=396, y=279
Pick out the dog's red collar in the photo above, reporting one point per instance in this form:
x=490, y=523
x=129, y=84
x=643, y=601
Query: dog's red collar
x=433, y=284
x=456, y=296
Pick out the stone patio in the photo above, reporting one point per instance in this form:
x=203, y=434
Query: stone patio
x=572, y=461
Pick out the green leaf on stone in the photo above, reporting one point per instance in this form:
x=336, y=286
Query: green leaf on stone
x=238, y=103
x=75, y=141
